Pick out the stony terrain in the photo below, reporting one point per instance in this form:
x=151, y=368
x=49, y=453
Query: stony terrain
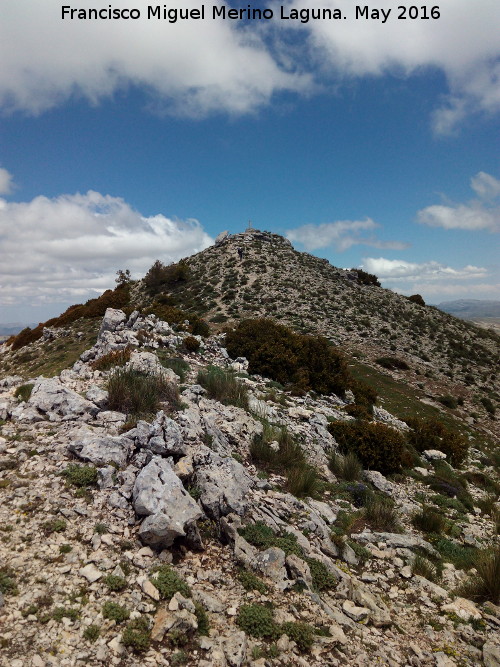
x=160, y=542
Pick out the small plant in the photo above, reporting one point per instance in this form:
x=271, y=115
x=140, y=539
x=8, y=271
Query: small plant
x=222, y=386
x=202, y=618
x=168, y=582
x=112, y=359
x=448, y=401
x=54, y=526
x=101, y=528
x=252, y=583
x=381, y=515
x=65, y=548
x=115, y=612
x=303, y=481
x=65, y=612
x=392, y=363
x=91, y=633
x=424, y=568
x=179, y=658
x=429, y=521
x=23, y=392
x=301, y=633
x=137, y=393
x=462, y=557
x=485, y=585
x=257, y=621
x=80, y=476
x=115, y=583
x=346, y=467
x=191, y=344
x=7, y=581
x=137, y=635
x=177, y=364
x=433, y=434
x=322, y=578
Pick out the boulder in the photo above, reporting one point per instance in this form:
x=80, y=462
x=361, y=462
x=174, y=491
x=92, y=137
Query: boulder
x=271, y=564
x=103, y=450
x=396, y=541
x=223, y=482
x=169, y=509
x=112, y=320
x=51, y=396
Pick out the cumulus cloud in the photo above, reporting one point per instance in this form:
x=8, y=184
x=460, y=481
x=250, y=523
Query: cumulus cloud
x=70, y=247
x=341, y=234
x=481, y=213
x=6, y=182
x=196, y=67
x=399, y=270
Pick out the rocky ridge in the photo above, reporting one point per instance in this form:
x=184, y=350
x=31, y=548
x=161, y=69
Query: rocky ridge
x=92, y=505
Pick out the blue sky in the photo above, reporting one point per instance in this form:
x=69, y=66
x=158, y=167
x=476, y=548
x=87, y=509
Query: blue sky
x=123, y=142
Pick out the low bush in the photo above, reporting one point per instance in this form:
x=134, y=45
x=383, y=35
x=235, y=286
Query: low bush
x=252, y=583
x=346, y=467
x=381, y=514
x=80, y=476
x=177, y=364
x=485, y=585
x=303, y=481
x=462, y=557
x=392, y=363
x=8, y=584
x=433, y=434
x=91, y=633
x=191, y=344
x=115, y=583
x=257, y=620
x=429, y=521
x=222, y=386
x=301, y=633
x=112, y=359
x=202, y=618
x=137, y=635
x=365, y=278
x=302, y=362
x=168, y=582
x=23, y=392
x=448, y=401
x=140, y=394
x=115, y=612
x=416, y=298
x=424, y=568
x=377, y=446
x=322, y=578
x=177, y=317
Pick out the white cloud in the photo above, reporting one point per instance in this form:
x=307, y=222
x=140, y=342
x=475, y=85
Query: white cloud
x=6, y=183
x=342, y=234
x=485, y=185
x=400, y=270
x=193, y=67
x=70, y=247
x=481, y=213
x=196, y=67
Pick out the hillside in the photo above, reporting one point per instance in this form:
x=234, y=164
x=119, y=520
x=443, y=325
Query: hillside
x=165, y=501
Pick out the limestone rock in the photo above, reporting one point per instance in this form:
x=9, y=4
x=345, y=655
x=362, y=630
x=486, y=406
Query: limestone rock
x=51, y=396
x=160, y=496
x=103, y=450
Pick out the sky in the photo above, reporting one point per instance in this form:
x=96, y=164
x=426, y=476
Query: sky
x=370, y=140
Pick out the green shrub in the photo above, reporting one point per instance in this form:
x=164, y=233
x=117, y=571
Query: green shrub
x=137, y=635
x=115, y=583
x=112, y=359
x=257, y=621
x=429, y=521
x=433, y=434
x=381, y=515
x=202, y=618
x=488, y=405
x=168, y=582
x=392, y=363
x=365, y=278
x=416, y=298
x=462, y=557
x=322, y=578
x=191, y=344
x=176, y=317
x=263, y=537
x=303, y=481
x=448, y=401
x=485, y=585
x=424, y=568
x=54, y=526
x=377, y=446
x=346, y=467
x=177, y=364
x=8, y=581
x=115, y=612
x=222, y=386
x=136, y=393
x=65, y=612
x=91, y=633
x=301, y=633
x=276, y=352
x=80, y=476
x=23, y=392
x=251, y=583
x=364, y=397
x=160, y=276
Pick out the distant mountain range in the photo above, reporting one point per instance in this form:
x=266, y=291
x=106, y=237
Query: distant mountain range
x=11, y=328
x=470, y=309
